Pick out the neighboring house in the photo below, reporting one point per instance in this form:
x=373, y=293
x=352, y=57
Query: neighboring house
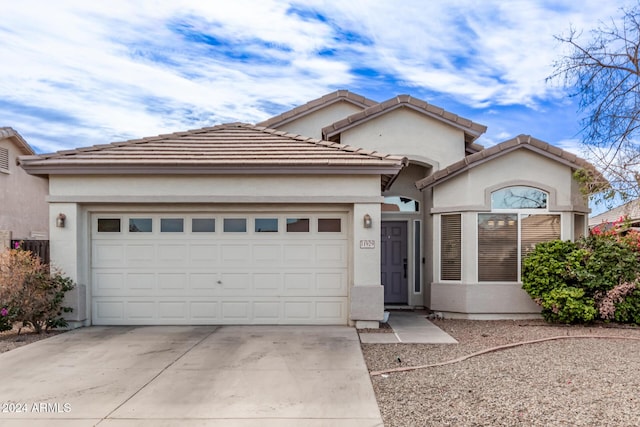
x=629, y=210
x=24, y=212
x=256, y=224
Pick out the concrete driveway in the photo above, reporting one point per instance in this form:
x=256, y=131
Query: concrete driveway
x=190, y=375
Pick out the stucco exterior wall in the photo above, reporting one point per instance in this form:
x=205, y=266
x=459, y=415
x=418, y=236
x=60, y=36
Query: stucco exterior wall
x=222, y=188
x=23, y=208
x=468, y=194
x=468, y=191
x=406, y=132
x=311, y=124
x=77, y=197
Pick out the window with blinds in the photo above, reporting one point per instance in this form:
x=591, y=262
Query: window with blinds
x=497, y=247
x=451, y=247
x=536, y=229
x=4, y=159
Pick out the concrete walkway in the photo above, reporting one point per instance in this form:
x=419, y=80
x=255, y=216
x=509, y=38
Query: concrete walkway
x=231, y=376
x=409, y=328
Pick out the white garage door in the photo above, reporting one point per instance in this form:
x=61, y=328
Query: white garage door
x=266, y=268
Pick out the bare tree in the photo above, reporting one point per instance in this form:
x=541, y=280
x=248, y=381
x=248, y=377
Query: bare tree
x=604, y=75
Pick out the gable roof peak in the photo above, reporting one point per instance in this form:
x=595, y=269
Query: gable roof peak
x=341, y=95
x=9, y=132
x=521, y=141
x=471, y=129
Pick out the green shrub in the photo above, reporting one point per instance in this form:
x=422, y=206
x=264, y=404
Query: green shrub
x=628, y=310
x=568, y=305
x=611, y=261
x=553, y=265
x=597, y=277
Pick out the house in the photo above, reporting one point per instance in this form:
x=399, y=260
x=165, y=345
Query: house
x=306, y=219
x=24, y=213
x=629, y=210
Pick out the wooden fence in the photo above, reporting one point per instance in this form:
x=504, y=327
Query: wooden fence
x=38, y=247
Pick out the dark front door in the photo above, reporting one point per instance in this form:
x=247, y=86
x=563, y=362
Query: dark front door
x=393, y=248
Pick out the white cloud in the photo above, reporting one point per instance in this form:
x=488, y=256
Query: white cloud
x=97, y=64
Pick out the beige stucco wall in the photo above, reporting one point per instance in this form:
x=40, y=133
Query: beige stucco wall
x=77, y=197
x=468, y=194
x=468, y=191
x=222, y=188
x=23, y=208
x=406, y=132
x=311, y=124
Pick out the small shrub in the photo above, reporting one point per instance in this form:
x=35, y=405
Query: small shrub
x=30, y=292
x=594, y=278
x=628, y=310
x=6, y=319
x=567, y=305
x=553, y=265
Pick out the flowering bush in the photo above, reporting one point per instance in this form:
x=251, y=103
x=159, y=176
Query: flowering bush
x=30, y=293
x=597, y=277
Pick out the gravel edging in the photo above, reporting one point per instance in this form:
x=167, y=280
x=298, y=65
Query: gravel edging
x=10, y=340
x=582, y=382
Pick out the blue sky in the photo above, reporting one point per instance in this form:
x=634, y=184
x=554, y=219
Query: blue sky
x=78, y=73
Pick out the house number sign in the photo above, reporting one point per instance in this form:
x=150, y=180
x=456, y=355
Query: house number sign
x=367, y=244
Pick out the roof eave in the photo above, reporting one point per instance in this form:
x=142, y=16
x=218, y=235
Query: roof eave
x=140, y=169
x=429, y=182
x=17, y=139
x=470, y=133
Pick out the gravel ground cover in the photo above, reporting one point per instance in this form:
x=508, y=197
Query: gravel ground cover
x=575, y=382
x=10, y=339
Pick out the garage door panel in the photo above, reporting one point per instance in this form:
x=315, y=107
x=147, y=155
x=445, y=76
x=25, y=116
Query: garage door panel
x=137, y=255
x=106, y=282
x=141, y=310
x=271, y=254
x=108, y=255
x=172, y=310
x=259, y=310
x=234, y=282
x=334, y=283
x=203, y=281
x=203, y=254
x=173, y=255
x=331, y=253
x=298, y=254
x=218, y=277
x=112, y=311
x=234, y=253
x=235, y=311
x=267, y=282
x=266, y=312
x=141, y=281
x=172, y=281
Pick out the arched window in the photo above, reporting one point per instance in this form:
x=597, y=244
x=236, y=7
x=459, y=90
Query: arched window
x=519, y=197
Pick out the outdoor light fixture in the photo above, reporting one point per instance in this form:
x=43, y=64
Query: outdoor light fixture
x=60, y=220
x=367, y=221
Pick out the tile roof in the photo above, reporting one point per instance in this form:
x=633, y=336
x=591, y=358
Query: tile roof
x=8, y=132
x=228, y=148
x=471, y=129
x=519, y=142
x=316, y=104
x=630, y=209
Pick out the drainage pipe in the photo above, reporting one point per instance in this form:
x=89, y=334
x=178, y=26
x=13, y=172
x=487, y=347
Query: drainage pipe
x=498, y=348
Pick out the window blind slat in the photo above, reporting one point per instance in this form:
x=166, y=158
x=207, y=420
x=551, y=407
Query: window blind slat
x=451, y=247
x=497, y=247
